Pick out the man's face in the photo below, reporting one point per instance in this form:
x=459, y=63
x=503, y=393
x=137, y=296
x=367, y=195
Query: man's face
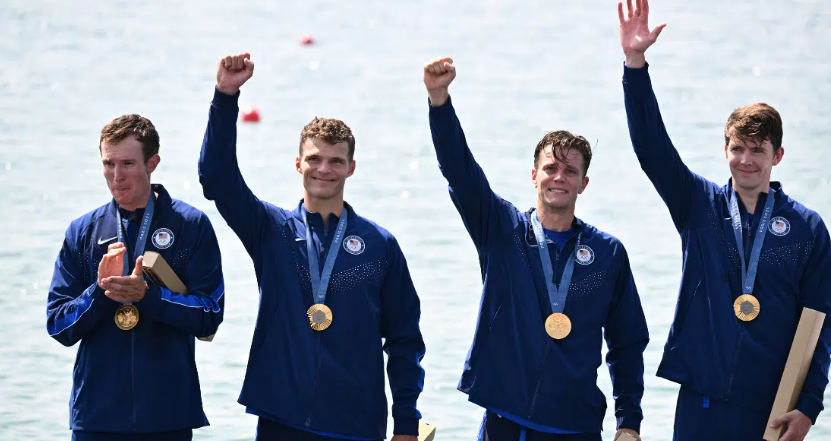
x=126, y=173
x=558, y=182
x=324, y=168
x=751, y=163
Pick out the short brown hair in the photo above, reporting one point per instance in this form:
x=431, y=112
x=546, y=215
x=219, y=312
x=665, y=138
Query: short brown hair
x=757, y=123
x=134, y=125
x=562, y=142
x=329, y=130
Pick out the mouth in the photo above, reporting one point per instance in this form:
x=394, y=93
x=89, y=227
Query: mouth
x=557, y=191
x=323, y=180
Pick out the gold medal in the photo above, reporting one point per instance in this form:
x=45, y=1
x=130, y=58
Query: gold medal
x=320, y=316
x=558, y=326
x=126, y=317
x=746, y=307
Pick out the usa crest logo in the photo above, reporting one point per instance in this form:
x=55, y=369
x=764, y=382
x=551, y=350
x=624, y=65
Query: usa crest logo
x=584, y=255
x=163, y=238
x=779, y=226
x=354, y=245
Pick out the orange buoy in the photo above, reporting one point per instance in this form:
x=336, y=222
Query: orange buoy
x=306, y=40
x=251, y=114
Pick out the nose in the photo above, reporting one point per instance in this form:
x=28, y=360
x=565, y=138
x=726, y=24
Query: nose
x=118, y=173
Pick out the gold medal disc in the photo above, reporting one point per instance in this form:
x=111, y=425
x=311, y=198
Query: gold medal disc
x=320, y=316
x=558, y=326
x=126, y=317
x=746, y=307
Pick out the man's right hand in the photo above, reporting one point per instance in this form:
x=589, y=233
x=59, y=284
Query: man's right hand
x=635, y=37
x=438, y=74
x=112, y=264
x=232, y=72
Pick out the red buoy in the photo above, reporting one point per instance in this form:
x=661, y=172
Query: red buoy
x=306, y=40
x=251, y=114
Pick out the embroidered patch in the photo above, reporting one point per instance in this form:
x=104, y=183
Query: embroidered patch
x=354, y=245
x=163, y=238
x=584, y=255
x=779, y=226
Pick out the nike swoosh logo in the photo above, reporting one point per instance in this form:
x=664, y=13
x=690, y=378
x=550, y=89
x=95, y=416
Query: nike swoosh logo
x=103, y=241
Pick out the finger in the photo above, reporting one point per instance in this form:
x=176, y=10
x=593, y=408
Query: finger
x=249, y=65
x=449, y=67
x=139, y=268
x=115, y=245
x=447, y=60
x=247, y=56
x=227, y=62
x=657, y=31
x=620, y=12
x=240, y=61
x=631, y=9
x=779, y=421
x=645, y=7
x=789, y=435
x=122, y=283
x=638, y=8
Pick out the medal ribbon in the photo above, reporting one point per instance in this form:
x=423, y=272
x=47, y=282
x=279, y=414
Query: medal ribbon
x=320, y=282
x=749, y=270
x=557, y=296
x=141, y=240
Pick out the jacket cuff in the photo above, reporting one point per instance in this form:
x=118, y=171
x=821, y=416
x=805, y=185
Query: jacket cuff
x=405, y=426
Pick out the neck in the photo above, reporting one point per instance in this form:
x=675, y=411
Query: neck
x=142, y=201
x=750, y=197
x=324, y=207
x=556, y=219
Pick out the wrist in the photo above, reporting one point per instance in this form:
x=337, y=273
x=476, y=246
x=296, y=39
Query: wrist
x=227, y=90
x=438, y=97
x=635, y=60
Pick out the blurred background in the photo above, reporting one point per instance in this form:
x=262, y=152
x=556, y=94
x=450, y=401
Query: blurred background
x=524, y=68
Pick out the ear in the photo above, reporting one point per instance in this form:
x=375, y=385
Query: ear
x=351, y=168
x=152, y=163
x=725, y=150
x=534, y=177
x=777, y=157
x=583, y=186
x=297, y=164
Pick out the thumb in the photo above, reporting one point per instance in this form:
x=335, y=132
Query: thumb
x=137, y=272
x=249, y=65
x=657, y=31
x=449, y=67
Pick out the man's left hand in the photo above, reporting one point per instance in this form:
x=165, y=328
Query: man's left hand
x=127, y=289
x=797, y=423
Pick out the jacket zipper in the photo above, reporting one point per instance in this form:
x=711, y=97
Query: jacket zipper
x=133, y=377
x=556, y=268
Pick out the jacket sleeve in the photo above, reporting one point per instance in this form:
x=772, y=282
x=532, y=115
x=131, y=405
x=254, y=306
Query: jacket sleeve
x=470, y=191
x=626, y=337
x=200, y=311
x=658, y=157
x=221, y=178
x=403, y=343
x=815, y=289
x=74, y=308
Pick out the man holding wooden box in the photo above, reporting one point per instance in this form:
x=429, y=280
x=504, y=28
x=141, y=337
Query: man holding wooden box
x=753, y=259
x=135, y=375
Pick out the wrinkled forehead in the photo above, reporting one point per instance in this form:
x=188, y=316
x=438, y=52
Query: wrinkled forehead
x=568, y=156
x=319, y=147
x=735, y=141
x=126, y=149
